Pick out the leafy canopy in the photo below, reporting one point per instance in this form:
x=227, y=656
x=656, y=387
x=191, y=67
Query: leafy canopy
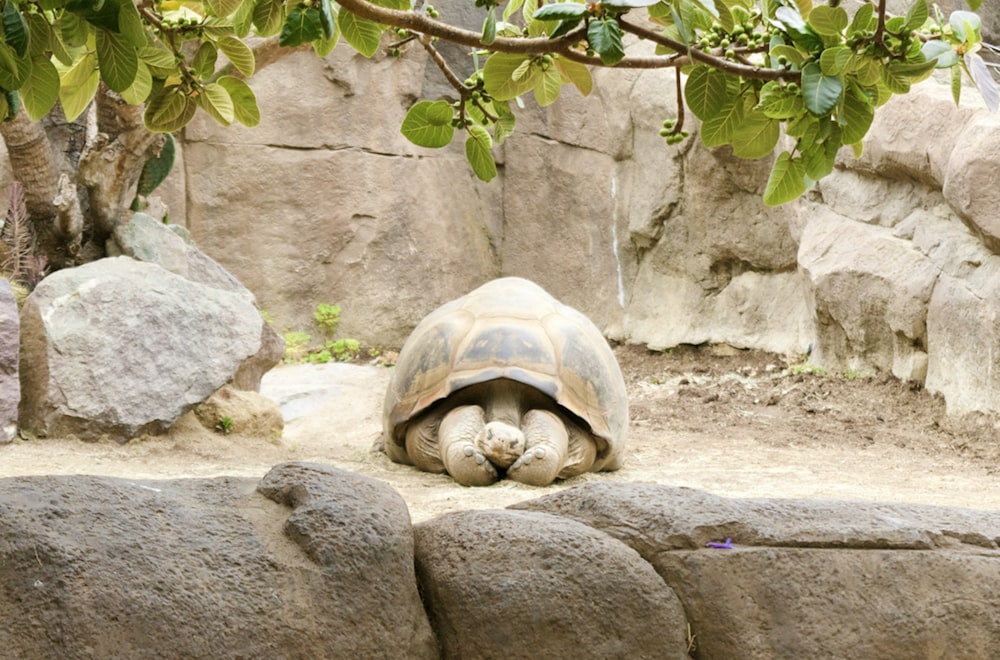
x=750, y=70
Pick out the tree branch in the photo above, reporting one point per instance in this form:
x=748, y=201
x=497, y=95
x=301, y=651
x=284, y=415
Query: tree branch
x=714, y=61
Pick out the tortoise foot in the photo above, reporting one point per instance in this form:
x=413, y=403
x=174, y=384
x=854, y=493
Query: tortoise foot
x=469, y=467
x=538, y=466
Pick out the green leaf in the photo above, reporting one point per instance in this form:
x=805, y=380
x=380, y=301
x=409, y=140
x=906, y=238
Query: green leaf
x=40, y=34
x=548, y=86
x=777, y=102
x=157, y=168
x=956, y=84
x=329, y=16
x=103, y=14
x=15, y=29
x=428, y=124
x=301, y=26
x=833, y=61
x=130, y=25
x=820, y=153
x=966, y=26
x=576, y=73
x=245, y=108
x=505, y=123
x=363, y=35
x=498, y=76
x=161, y=62
x=820, y=93
x=561, y=11
x=243, y=18
x=605, y=37
x=786, y=182
x=916, y=16
x=222, y=8
x=489, y=28
x=140, y=88
x=117, y=59
x=828, y=21
x=204, y=59
x=705, y=91
x=215, y=100
x=14, y=70
x=41, y=90
x=790, y=53
x=169, y=110
x=856, y=115
x=863, y=21
x=323, y=47
x=756, y=136
x=564, y=27
x=718, y=129
x=622, y=5
x=79, y=84
x=477, y=151
x=268, y=16
x=239, y=54
x=511, y=9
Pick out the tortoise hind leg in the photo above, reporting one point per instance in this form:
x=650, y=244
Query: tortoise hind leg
x=462, y=459
x=546, y=451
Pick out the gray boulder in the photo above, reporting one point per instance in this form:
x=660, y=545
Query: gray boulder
x=317, y=563
x=871, y=304
x=519, y=584
x=10, y=385
x=147, y=239
x=809, y=579
x=119, y=347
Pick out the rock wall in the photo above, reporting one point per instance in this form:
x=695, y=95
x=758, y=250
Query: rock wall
x=312, y=561
x=886, y=266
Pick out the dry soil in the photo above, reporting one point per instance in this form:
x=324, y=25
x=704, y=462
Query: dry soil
x=732, y=422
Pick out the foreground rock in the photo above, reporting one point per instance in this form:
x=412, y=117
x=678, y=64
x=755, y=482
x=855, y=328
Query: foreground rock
x=120, y=347
x=809, y=579
x=317, y=564
x=519, y=584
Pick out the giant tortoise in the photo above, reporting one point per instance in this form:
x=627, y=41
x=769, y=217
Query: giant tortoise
x=506, y=381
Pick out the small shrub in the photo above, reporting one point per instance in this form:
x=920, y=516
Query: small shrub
x=806, y=368
x=327, y=317
x=224, y=425
x=296, y=346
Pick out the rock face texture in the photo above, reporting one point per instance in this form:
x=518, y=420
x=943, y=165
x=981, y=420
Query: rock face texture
x=318, y=562
x=875, y=269
x=809, y=579
x=521, y=584
x=10, y=342
x=121, y=347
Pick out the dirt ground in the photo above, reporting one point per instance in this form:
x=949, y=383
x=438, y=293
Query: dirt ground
x=732, y=422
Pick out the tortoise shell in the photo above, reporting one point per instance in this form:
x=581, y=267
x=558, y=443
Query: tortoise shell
x=511, y=328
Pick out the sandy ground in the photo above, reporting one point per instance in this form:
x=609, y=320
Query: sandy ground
x=735, y=423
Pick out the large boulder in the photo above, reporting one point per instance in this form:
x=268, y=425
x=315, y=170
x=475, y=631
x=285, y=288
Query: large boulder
x=120, y=347
x=10, y=384
x=316, y=563
x=145, y=238
x=870, y=305
x=808, y=579
x=519, y=584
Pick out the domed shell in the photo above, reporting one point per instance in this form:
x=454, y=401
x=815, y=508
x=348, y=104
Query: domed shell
x=511, y=328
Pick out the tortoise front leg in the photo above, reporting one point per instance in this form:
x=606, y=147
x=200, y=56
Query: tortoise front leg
x=546, y=451
x=462, y=459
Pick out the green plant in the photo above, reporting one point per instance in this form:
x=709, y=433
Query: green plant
x=806, y=368
x=224, y=425
x=296, y=346
x=853, y=374
x=327, y=317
